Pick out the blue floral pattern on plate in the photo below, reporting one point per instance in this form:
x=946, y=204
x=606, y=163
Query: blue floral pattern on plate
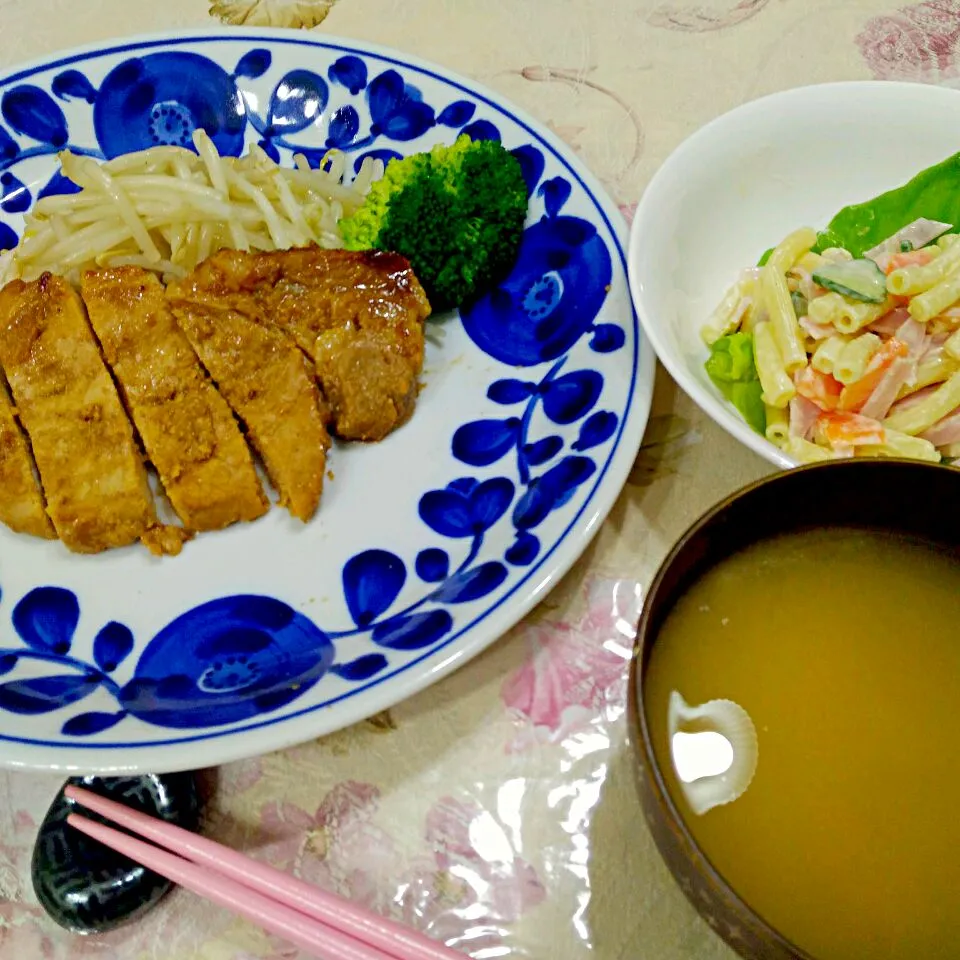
x=530, y=464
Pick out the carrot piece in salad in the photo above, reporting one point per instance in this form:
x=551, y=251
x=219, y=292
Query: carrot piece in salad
x=842, y=429
x=911, y=258
x=856, y=394
x=820, y=388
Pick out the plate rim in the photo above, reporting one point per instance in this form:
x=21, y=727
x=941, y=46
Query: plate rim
x=234, y=743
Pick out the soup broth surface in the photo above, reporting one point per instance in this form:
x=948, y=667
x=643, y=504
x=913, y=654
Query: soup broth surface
x=844, y=647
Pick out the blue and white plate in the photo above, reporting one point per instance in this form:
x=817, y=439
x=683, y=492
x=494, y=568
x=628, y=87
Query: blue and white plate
x=427, y=546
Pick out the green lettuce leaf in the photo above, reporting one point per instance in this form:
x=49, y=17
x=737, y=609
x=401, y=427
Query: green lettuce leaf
x=933, y=193
x=732, y=368
x=748, y=399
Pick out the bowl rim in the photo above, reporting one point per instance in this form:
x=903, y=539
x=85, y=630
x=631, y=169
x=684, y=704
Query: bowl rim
x=717, y=409
x=638, y=722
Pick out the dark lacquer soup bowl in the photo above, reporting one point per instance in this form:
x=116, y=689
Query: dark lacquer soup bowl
x=918, y=500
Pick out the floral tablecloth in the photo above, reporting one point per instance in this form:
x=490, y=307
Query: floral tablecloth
x=496, y=810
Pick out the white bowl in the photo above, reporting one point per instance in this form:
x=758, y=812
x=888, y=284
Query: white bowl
x=750, y=177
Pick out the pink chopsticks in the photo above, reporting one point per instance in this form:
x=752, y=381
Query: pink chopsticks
x=316, y=921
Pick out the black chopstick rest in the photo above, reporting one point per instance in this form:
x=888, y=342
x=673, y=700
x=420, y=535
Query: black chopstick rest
x=88, y=888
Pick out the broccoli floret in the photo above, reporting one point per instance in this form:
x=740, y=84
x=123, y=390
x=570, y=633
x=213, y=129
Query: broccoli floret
x=456, y=213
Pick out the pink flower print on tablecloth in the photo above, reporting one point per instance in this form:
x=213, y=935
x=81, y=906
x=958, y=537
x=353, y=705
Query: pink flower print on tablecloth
x=575, y=673
x=349, y=852
x=22, y=934
x=918, y=43
x=464, y=882
x=468, y=842
x=19, y=831
x=227, y=783
x=329, y=846
x=22, y=931
x=239, y=777
x=704, y=16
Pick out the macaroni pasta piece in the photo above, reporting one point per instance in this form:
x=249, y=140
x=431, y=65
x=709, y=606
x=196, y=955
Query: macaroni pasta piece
x=778, y=425
x=908, y=281
x=809, y=262
x=776, y=297
x=945, y=323
x=786, y=328
x=925, y=306
x=754, y=313
x=778, y=388
x=855, y=316
x=825, y=310
x=792, y=248
x=827, y=353
x=806, y=452
x=926, y=412
x=901, y=445
x=933, y=370
x=724, y=319
x=952, y=347
x=845, y=315
x=854, y=356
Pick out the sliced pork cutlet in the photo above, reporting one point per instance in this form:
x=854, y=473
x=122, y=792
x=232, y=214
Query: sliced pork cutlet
x=188, y=430
x=21, y=499
x=91, y=470
x=359, y=316
x=267, y=381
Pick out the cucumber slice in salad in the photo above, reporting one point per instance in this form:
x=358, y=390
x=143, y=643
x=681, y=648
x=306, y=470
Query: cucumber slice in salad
x=857, y=279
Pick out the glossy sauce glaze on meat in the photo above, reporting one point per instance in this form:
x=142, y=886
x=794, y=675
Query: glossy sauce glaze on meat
x=21, y=498
x=188, y=431
x=358, y=316
x=265, y=350
x=96, y=489
x=267, y=382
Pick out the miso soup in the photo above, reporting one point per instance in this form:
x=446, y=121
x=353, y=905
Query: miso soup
x=844, y=648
